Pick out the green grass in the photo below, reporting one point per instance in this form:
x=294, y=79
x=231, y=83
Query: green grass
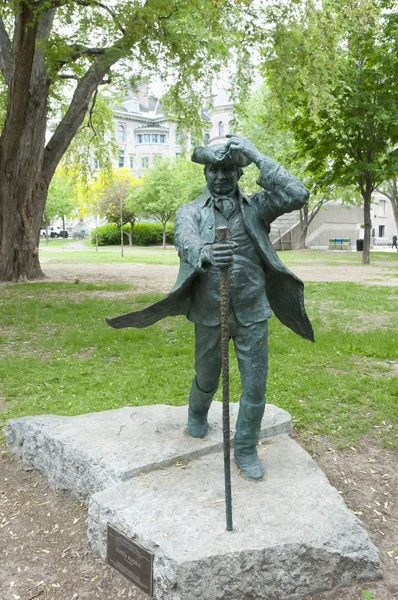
x=108, y=254
x=59, y=356
x=61, y=251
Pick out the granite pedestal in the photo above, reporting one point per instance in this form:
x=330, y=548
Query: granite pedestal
x=142, y=474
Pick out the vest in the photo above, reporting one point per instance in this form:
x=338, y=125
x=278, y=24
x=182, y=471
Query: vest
x=247, y=298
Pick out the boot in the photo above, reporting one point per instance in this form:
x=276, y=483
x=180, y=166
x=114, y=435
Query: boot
x=247, y=433
x=199, y=404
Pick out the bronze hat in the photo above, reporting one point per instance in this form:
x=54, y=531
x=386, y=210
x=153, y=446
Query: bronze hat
x=219, y=154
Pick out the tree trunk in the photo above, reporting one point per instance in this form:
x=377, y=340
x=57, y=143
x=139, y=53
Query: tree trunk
x=303, y=226
x=164, y=235
x=26, y=164
x=130, y=233
x=367, y=198
x=23, y=193
x=23, y=190
x=21, y=220
x=394, y=201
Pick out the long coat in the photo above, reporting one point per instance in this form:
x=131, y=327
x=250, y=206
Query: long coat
x=195, y=227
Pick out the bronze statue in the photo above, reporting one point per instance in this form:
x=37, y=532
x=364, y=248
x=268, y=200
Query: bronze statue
x=259, y=283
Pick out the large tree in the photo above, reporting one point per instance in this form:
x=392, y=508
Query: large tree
x=47, y=43
x=166, y=186
x=113, y=196
x=259, y=119
x=61, y=198
x=333, y=71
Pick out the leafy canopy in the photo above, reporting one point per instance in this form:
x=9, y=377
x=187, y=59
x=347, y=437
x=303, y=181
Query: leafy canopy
x=166, y=186
x=61, y=199
x=333, y=73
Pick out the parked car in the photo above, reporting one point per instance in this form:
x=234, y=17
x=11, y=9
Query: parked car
x=54, y=232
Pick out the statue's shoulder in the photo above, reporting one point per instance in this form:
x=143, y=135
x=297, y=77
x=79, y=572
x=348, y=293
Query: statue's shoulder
x=195, y=205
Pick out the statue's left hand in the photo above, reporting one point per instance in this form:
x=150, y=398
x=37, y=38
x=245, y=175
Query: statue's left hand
x=238, y=142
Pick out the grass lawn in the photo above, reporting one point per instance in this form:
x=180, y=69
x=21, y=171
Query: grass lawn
x=59, y=356
x=61, y=253
x=71, y=251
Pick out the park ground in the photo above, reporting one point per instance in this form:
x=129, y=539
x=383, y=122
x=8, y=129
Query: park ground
x=43, y=547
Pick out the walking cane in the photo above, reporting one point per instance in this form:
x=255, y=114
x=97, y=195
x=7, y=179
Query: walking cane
x=224, y=318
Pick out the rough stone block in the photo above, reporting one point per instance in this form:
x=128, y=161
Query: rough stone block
x=292, y=536
x=90, y=452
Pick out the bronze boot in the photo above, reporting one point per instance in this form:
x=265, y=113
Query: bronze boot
x=199, y=404
x=247, y=434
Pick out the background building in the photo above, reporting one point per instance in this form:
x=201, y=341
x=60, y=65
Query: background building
x=145, y=135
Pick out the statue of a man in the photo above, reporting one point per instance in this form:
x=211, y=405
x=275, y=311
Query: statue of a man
x=259, y=283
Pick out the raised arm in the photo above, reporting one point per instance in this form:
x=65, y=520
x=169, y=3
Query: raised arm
x=284, y=191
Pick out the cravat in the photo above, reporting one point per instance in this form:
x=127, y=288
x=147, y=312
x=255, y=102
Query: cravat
x=225, y=205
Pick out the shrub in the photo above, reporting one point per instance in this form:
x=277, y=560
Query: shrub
x=109, y=234
x=144, y=234
x=150, y=234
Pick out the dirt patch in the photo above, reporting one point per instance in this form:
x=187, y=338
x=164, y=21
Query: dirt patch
x=44, y=551
x=367, y=479
x=356, y=321
x=146, y=279
x=161, y=278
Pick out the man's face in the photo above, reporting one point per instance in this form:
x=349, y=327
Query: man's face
x=221, y=181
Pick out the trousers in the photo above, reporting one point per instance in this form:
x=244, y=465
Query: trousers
x=251, y=349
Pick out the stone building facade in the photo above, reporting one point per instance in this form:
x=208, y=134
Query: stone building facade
x=144, y=134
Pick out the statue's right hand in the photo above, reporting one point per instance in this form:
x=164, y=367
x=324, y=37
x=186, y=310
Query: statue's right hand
x=222, y=254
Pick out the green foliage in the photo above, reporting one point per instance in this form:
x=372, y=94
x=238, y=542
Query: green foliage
x=333, y=72
x=165, y=187
x=108, y=235
x=93, y=139
x=150, y=234
x=367, y=594
x=144, y=234
x=61, y=199
x=113, y=194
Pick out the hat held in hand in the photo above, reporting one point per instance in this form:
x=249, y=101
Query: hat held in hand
x=219, y=154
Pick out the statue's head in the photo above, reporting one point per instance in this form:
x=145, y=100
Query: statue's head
x=222, y=180
x=223, y=167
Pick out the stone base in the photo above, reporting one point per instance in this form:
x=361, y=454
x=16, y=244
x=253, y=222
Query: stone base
x=144, y=475
x=292, y=536
x=88, y=453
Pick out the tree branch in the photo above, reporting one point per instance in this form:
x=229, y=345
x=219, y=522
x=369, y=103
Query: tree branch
x=383, y=192
x=108, y=10
x=5, y=53
x=78, y=107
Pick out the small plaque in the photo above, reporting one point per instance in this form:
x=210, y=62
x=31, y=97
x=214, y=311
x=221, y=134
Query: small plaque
x=130, y=559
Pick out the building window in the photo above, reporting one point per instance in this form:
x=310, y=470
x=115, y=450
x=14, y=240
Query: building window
x=121, y=158
x=144, y=162
x=95, y=163
x=220, y=129
x=162, y=139
x=157, y=158
x=131, y=161
x=382, y=204
x=139, y=139
x=147, y=138
x=155, y=138
x=206, y=138
x=381, y=230
x=121, y=133
x=230, y=126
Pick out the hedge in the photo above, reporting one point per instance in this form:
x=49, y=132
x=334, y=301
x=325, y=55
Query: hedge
x=144, y=234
